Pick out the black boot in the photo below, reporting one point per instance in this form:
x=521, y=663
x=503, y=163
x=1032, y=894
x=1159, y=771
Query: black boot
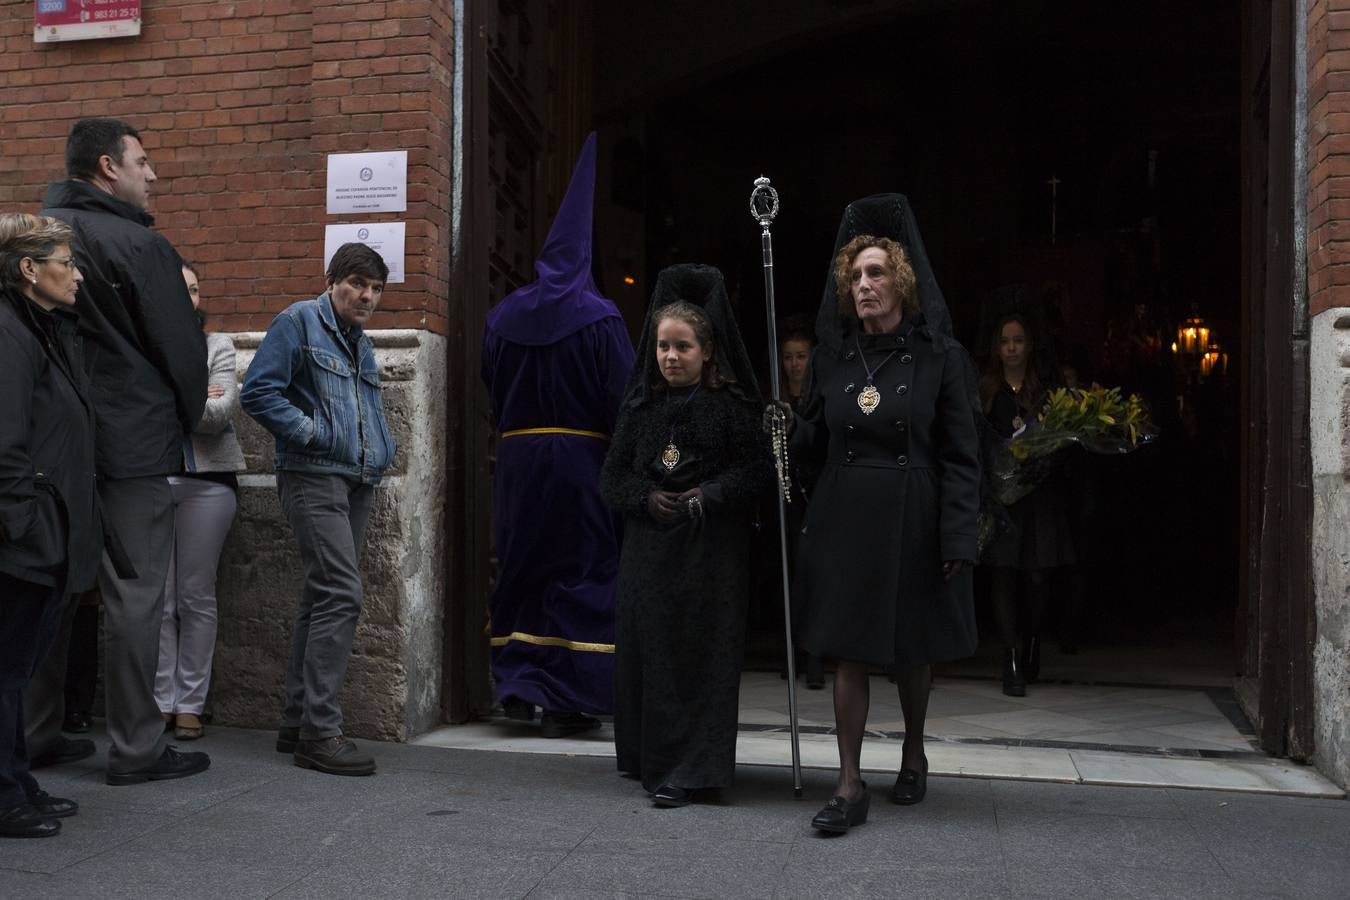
x=1013, y=683
x=1031, y=659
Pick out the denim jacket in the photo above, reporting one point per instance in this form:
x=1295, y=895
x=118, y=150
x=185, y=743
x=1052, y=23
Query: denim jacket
x=318, y=397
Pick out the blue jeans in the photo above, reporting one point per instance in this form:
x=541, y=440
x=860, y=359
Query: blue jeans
x=328, y=514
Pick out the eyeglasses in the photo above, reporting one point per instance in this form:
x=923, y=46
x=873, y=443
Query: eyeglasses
x=67, y=261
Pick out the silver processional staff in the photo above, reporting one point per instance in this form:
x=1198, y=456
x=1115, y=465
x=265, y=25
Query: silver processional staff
x=763, y=209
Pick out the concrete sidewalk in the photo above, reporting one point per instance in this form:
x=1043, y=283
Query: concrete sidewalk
x=462, y=823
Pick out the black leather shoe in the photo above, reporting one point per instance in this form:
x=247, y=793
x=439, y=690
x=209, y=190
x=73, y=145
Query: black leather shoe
x=53, y=807
x=171, y=764
x=815, y=672
x=62, y=750
x=839, y=815
x=561, y=724
x=334, y=756
x=77, y=723
x=910, y=786
x=1014, y=685
x=670, y=796
x=23, y=821
x=1031, y=659
x=518, y=710
x=288, y=737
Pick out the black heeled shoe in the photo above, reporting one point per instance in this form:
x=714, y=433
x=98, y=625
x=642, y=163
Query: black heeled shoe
x=839, y=815
x=670, y=796
x=1031, y=659
x=910, y=786
x=1014, y=685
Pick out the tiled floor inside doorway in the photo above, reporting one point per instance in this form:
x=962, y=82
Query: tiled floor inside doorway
x=1164, y=735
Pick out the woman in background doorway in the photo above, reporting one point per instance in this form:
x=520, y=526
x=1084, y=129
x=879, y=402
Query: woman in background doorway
x=1038, y=538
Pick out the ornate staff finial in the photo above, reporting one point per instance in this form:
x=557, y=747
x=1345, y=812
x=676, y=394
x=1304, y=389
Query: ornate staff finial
x=763, y=202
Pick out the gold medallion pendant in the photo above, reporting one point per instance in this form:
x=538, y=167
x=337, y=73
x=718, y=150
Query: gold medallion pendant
x=670, y=457
x=869, y=398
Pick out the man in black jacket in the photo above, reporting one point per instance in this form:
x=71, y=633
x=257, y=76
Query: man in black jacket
x=146, y=357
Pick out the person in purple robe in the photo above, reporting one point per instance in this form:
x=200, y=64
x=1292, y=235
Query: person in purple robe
x=556, y=357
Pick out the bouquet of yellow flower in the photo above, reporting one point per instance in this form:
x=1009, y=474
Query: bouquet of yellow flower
x=1098, y=420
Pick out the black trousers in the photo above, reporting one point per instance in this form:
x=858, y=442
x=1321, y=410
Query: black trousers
x=28, y=619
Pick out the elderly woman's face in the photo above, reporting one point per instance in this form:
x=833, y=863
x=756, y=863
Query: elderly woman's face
x=875, y=298
x=54, y=279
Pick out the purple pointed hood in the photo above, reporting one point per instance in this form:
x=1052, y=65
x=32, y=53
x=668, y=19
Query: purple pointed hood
x=563, y=298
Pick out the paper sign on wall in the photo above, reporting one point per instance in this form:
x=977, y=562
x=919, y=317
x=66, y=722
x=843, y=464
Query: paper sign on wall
x=368, y=182
x=81, y=20
x=385, y=238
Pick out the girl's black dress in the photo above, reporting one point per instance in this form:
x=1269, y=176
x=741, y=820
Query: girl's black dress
x=680, y=620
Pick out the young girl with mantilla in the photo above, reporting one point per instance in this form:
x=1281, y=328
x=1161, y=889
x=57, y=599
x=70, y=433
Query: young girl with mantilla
x=685, y=468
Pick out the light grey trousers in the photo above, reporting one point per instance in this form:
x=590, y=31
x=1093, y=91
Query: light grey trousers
x=141, y=512
x=203, y=511
x=328, y=514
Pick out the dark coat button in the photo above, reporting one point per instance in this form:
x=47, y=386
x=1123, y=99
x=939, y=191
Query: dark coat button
x=902, y=389
x=850, y=429
x=850, y=456
x=902, y=460
x=901, y=425
x=901, y=341
x=848, y=388
x=849, y=355
x=907, y=359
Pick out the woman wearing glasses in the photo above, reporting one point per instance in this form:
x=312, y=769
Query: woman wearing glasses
x=50, y=539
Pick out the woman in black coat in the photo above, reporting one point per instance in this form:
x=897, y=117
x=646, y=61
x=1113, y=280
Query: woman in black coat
x=50, y=540
x=686, y=467
x=885, y=554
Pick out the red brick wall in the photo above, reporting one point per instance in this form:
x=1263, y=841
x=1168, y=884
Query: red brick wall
x=1328, y=154
x=238, y=105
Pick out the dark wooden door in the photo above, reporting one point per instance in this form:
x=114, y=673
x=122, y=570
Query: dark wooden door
x=525, y=99
x=1275, y=626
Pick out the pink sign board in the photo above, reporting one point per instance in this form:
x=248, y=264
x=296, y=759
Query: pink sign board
x=83, y=20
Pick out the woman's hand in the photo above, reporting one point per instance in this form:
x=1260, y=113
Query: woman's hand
x=692, y=501
x=214, y=392
x=952, y=567
x=779, y=409
x=665, y=506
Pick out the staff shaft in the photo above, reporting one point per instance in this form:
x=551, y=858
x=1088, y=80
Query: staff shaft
x=766, y=242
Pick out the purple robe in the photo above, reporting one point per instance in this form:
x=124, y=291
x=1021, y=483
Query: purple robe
x=556, y=356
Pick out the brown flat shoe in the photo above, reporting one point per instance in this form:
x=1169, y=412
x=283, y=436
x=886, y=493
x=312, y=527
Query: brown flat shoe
x=168, y=720
x=188, y=727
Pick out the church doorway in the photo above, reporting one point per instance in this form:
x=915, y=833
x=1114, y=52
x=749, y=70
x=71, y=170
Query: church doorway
x=1063, y=162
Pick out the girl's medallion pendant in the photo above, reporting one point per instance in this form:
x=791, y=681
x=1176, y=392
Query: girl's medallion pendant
x=670, y=457
x=869, y=398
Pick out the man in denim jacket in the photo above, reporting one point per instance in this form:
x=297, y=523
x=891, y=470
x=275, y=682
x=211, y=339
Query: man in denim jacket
x=315, y=385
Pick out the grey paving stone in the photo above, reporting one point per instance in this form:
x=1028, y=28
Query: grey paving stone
x=559, y=892
x=1034, y=797
x=1078, y=882
x=97, y=828
x=1291, y=844
x=686, y=868
x=905, y=878
x=450, y=873
x=1035, y=837
x=159, y=873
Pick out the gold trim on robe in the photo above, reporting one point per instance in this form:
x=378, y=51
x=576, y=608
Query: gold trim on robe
x=552, y=642
x=600, y=435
